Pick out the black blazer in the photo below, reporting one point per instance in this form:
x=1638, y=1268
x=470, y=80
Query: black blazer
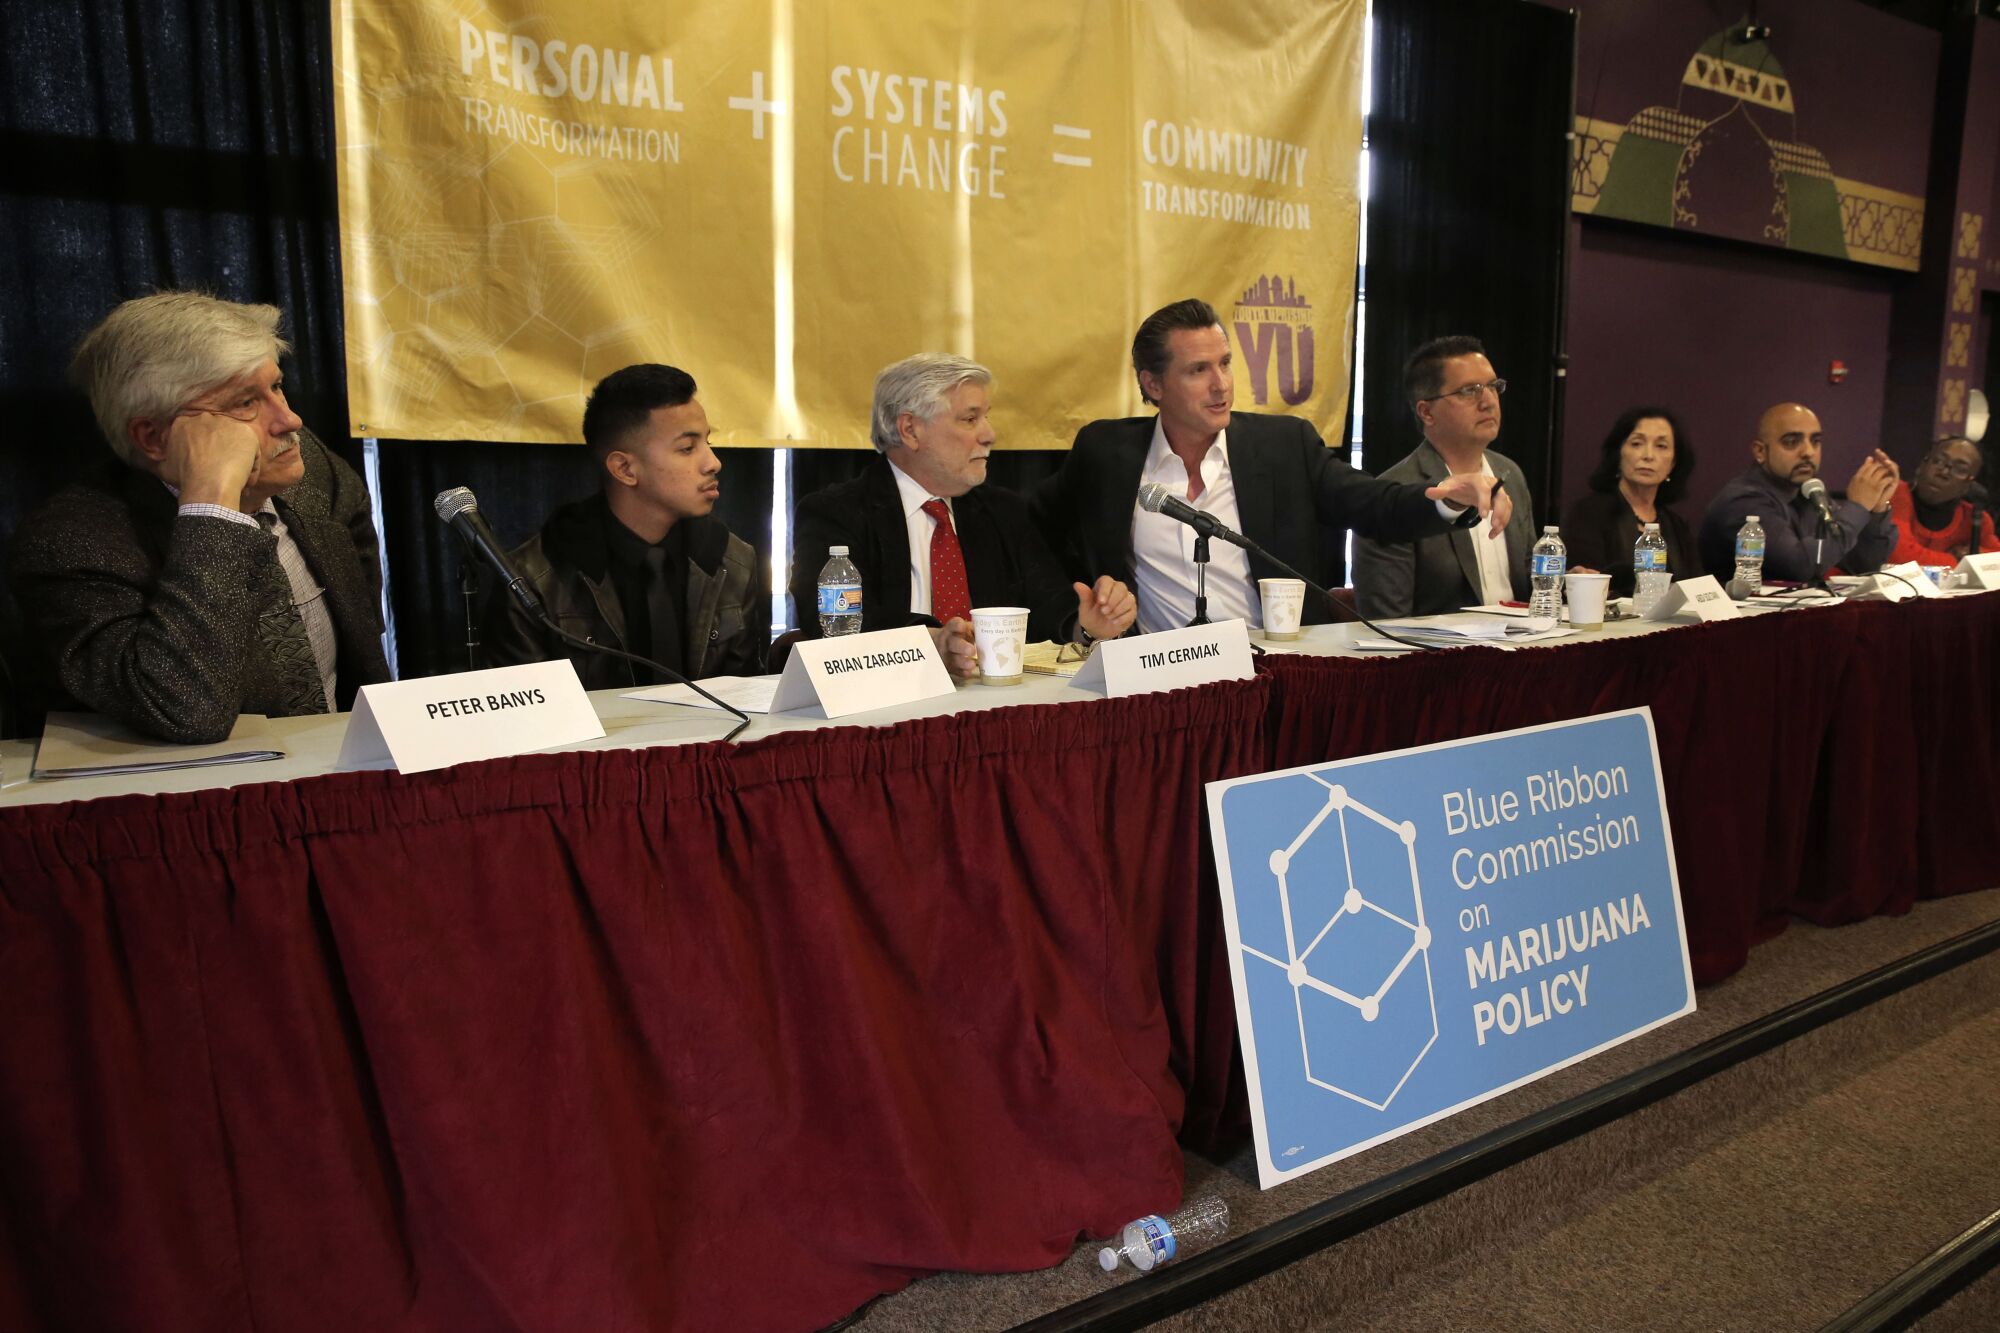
x=1006, y=562
x=1291, y=491
x=1599, y=531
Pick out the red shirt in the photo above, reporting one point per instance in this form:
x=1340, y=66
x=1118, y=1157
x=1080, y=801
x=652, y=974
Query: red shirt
x=1928, y=546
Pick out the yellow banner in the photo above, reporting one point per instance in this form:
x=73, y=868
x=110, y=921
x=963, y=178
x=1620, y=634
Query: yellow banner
x=783, y=196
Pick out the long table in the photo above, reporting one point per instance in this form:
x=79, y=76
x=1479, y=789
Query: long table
x=661, y=1033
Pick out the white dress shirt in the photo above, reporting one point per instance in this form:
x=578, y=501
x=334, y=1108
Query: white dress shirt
x=1496, y=584
x=1163, y=548
x=921, y=526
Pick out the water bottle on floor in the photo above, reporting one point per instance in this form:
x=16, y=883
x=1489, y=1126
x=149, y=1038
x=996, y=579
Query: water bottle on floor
x=1154, y=1241
x=839, y=595
x=1547, y=565
x=1649, y=568
x=1749, y=579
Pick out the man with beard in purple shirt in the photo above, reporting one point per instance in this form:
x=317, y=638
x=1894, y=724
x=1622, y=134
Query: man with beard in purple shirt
x=1787, y=449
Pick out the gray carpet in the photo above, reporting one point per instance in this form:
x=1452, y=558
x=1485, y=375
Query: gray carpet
x=1538, y=1197
x=1771, y=1197
x=1974, y=1310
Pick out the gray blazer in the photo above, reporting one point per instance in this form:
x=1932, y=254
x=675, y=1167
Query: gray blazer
x=150, y=618
x=1441, y=573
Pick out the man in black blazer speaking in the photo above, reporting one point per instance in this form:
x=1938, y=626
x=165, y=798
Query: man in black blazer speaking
x=930, y=539
x=1268, y=477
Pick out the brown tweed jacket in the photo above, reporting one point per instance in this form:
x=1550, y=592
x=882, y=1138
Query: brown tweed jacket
x=150, y=618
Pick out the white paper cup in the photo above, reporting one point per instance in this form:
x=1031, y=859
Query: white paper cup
x=1586, y=599
x=1284, y=604
x=1000, y=637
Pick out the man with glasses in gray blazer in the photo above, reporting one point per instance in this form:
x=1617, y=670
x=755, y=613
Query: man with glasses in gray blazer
x=1453, y=390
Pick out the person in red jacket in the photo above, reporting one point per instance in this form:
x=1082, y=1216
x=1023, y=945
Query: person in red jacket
x=1932, y=514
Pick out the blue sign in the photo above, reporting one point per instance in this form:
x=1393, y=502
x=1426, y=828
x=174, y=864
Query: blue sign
x=1413, y=933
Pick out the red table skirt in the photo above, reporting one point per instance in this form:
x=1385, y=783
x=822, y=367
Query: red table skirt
x=742, y=1036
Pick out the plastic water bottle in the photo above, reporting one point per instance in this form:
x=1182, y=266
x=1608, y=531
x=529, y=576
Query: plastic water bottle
x=1154, y=1241
x=1649, y=567
x=1749, y=580
x=1548, y=564
x=839, y=595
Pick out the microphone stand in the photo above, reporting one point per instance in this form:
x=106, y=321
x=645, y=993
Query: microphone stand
x=1200, y=579
x=468, y=588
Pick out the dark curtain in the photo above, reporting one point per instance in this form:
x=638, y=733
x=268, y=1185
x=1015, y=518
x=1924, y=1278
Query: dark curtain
x=719, y=1036
x=1468, y=212
x=154, y=145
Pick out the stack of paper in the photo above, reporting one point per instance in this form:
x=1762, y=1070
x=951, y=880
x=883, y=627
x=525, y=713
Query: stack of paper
x=1046, y=659
x=752, y=694
x=1496, y=633
x=85, y=745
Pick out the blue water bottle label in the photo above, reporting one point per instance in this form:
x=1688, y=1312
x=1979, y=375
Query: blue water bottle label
x=1649, y=562
x=1548, y=566
x=1749, y=548
x=840, y=599
x=1159, y=1238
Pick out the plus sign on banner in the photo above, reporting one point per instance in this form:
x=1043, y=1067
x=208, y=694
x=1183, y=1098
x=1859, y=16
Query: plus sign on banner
x=784, y=196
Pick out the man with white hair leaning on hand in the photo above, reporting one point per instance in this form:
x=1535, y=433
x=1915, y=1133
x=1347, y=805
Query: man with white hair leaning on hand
x=930, y=539
x=225, y=561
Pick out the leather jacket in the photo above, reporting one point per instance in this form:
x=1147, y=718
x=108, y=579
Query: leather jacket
x=568, y=562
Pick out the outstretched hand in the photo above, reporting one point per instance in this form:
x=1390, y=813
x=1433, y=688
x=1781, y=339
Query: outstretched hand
x=1470, y=490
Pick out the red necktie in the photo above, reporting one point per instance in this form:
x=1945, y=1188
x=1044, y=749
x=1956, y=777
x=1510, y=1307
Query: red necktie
x=950, y=595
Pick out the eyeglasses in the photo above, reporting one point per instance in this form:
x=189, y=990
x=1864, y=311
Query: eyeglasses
x=247, y=405
x=234, y=411
x=1074, y=652
x=1960, y=471
x=1469, y=394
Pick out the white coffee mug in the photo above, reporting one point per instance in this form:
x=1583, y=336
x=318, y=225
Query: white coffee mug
x=1000, y=637
x=1284, y=605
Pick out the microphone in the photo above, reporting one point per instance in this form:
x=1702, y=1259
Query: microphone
x=1815, y=490
x=460, y=508
x=1157, y=499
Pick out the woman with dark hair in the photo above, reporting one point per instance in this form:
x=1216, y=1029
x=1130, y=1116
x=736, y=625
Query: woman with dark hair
x=1643, y=468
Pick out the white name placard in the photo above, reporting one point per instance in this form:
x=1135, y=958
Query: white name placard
x=1979, y=571
x=1898, y=582
x=437, y=721
x=1702, y=596
x=859, y=672
x=1169, y=660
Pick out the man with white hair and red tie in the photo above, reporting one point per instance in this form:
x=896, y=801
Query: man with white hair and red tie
x=930, y=538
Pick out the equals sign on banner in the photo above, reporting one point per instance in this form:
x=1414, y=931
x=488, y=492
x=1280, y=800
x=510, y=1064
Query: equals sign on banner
x=1071, y=159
